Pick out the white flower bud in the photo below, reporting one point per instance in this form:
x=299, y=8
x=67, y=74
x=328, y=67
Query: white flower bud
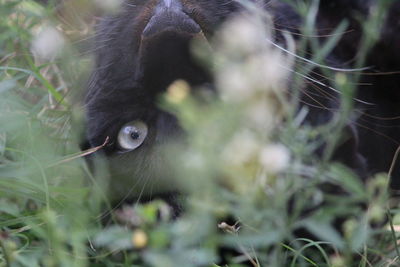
x=241, y=149
x=48, y=43
x=274, y=158
x=234, y=84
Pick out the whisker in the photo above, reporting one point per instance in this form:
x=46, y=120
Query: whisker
x=315, y=63
x=324, y=85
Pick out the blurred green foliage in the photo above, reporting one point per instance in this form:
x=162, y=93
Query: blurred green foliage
x=54, y=210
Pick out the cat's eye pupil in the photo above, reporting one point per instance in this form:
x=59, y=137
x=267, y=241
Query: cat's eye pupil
x=135, y=135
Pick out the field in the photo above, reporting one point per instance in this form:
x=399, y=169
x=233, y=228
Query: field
x=266, y=199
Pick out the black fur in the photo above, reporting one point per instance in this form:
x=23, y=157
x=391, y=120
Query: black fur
x=133, y=65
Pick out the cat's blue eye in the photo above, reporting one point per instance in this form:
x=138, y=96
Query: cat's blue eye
x=132, y=135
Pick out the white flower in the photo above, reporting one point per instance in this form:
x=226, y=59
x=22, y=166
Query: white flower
x=248, y=63
x=262, y=72
x=262, y=113
x=48, y=43
x=234, y=84
x=274, y=157
x=241, y=148
x=243, y=34
x=269, y=70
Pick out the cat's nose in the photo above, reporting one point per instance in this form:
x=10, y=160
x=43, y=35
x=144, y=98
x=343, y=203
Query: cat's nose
x=169, y=16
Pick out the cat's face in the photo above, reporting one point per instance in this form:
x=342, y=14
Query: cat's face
x=139, y=52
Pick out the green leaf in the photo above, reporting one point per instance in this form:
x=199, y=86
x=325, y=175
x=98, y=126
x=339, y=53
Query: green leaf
x=360, y=235
x=346, y=178
x=326, y=232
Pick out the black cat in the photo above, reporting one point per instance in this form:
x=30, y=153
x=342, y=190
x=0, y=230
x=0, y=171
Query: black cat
x=146, y=46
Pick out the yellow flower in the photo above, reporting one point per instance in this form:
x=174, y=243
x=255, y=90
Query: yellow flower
x=178, y=91
x=139, y=239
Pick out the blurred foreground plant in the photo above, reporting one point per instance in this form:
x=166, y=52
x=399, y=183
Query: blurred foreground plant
x=248, y=170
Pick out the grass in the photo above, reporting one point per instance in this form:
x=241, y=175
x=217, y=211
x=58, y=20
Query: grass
x=54, y=207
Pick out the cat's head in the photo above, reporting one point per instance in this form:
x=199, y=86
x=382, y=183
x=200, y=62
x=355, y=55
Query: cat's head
x=139, y=52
